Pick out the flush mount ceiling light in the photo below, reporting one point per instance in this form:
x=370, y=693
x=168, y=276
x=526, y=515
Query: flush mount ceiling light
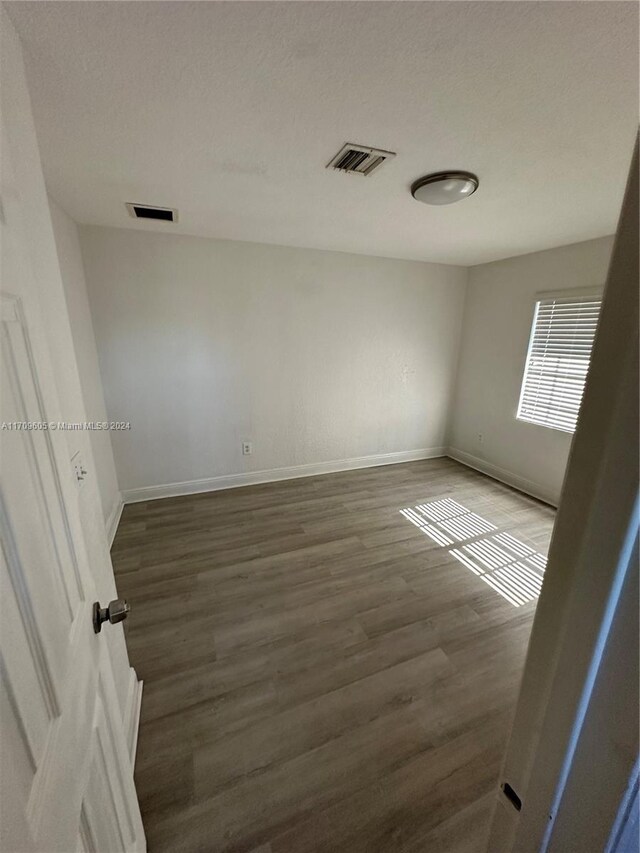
x=444, y=187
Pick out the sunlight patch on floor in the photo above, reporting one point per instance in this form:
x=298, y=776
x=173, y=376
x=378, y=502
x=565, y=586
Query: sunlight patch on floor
x=510, y=567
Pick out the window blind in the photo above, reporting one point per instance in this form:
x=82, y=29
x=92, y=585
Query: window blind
x=558, y=360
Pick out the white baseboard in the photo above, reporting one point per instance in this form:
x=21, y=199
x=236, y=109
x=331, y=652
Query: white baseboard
x=132, y=714
x=529, y=487
x=252, y=478
x=114, y=519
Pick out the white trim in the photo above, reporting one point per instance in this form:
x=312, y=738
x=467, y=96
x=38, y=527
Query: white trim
x=131, y=720
x=252, y=478
x=523, y=381
x=529, y=487
x=113, y=520
x=570, y=292
x=625, y=829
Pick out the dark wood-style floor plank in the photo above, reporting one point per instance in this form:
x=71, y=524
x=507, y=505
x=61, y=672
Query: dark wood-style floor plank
x=320, y=675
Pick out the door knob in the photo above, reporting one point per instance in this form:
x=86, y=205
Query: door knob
x=115, y=611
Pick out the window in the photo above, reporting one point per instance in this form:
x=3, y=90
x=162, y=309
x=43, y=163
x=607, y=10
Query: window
x=558, y=360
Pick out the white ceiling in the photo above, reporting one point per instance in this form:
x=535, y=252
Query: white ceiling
x=230, y=111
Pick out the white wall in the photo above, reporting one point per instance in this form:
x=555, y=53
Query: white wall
x=86, y=356
x=497, y=323
x=313, y=356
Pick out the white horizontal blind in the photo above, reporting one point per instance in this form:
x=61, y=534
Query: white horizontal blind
x=558, y=360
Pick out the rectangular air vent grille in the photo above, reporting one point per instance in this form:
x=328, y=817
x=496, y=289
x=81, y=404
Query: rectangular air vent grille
x=147, y=211
x=359, y=159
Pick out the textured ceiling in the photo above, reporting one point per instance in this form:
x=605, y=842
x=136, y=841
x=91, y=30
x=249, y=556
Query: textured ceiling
x=230, y=112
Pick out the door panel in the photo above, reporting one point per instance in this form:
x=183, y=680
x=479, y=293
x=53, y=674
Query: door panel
x=108, y=821
x=71, y=779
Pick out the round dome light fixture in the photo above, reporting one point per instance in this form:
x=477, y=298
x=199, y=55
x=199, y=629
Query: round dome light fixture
x=444, y=187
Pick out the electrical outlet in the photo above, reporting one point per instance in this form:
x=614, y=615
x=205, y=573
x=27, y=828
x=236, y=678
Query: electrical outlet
x=247, y=448
x=480, y=438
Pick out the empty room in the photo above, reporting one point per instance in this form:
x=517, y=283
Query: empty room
x=319, y=427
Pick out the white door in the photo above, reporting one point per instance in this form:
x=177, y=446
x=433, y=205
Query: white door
x=66, y=781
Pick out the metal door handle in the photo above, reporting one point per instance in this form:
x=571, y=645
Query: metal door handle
x=115, y=611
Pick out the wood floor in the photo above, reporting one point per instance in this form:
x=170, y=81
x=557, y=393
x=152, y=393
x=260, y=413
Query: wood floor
x=319, y=673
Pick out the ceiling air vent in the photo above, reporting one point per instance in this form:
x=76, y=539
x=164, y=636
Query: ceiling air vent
x=147, y=211
x=359, y=159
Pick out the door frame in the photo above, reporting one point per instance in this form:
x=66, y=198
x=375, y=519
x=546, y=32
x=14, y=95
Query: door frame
x=585, y=607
